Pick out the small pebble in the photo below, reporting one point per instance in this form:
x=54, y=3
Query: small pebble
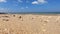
x=6, y=16
x=13, y=15
x=20, y=17
x=32, y=18
x=46, y=21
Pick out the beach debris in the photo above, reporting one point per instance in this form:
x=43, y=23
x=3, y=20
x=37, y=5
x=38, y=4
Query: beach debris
x=5, y=19
x=6, y=16
x=13, y=15
x=20, y=17
x=46, y=21
x=32, y=18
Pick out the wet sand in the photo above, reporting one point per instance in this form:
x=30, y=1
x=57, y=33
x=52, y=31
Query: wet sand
x=29, y=24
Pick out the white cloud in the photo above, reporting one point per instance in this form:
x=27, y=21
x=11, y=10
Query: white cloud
x=35, y=2
x=3, y=1
x=39, y=2
x=42, y=1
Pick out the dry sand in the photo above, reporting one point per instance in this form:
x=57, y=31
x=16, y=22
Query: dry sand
x=29, y=24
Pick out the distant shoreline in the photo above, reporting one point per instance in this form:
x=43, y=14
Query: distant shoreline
x=32, y=13
x=3, y=13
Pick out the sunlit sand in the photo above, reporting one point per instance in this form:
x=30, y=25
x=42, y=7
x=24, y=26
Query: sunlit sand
x=29, y=24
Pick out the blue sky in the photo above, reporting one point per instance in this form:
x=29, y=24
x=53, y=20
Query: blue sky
x=29, y=5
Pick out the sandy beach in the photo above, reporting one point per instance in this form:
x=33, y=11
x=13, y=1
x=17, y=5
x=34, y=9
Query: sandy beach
x=29, y=24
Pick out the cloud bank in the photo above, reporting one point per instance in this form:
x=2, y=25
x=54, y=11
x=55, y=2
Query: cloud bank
x=39, y=2
x=3, y=1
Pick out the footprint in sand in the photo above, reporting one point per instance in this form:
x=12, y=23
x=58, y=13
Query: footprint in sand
x=5, y=19
x=6, y=16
